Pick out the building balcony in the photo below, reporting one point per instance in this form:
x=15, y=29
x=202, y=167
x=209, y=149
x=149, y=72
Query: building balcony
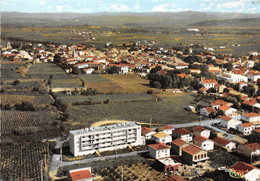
x=201, y=159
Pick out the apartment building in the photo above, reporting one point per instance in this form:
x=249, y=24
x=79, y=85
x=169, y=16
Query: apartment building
x=104, y=138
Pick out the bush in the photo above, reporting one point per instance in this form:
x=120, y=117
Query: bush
x=16, y=82
x=25, y=130
x=25, y=106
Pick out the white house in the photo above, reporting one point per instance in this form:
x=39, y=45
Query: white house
x=208, y=83
x=201, y=131
x=228, y=122
x=245, y=128
x=162, y=137
x=166, y=129
x=88, y=70
x=183, y=134
x=105, y=138
x=224, y=143
x=253, y=76
x=147, y=132
x=159, y=150
x=246, y=171
x=207, y=111
x=249, y=150
x=228, y=111
x=250, y=117
x=181, y=66
x=203, y=143
x=233, y=78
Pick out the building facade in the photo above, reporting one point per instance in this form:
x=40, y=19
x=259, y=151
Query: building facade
x=105, y=138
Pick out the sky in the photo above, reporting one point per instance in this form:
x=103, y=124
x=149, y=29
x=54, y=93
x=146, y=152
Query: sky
x=93, y=6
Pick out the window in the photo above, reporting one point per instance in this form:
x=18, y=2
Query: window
x=195, y=158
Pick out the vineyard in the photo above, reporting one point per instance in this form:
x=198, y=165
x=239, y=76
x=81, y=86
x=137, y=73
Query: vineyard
x=22, y=162
x=36, y=99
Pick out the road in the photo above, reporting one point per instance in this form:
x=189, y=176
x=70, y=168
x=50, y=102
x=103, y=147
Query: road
x=56, y=163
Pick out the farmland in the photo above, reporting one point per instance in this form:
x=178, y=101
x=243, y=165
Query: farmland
x=117, y=83
x=168, y=111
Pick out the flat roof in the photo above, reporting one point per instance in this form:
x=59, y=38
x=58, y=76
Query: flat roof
x=168, y=161
x=104, y=128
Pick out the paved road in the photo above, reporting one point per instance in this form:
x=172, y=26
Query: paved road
x=56, y=163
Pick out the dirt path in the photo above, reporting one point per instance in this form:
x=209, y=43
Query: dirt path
x=101, y=123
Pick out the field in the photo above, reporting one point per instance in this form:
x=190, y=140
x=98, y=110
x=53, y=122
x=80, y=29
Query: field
x=168, y=111
x=117, y=83
x=118, y=97
x=163, y=36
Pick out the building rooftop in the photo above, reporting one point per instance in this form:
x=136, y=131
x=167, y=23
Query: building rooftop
x=191, y=149
x=221, y=141
x=103, y=128
x=182, y=131
x=253, y=146
x=161, y=135
x=159, y=146
x=146, y=130
x=168, y=161
x=167, y=127
x=80, y=174
x=199, y=129
x=251, y=114
x=179, y=142
x=246, y=125
x=226, y=118
x=200, y=139
x=242, y=166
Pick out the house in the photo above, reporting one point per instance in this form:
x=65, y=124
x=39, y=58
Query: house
x=250, y=117
x=162, y=137
x=80, y=174
x=245, y=128
x=228, y=122
x=177, y=146
x=203, y=142
x=250, y=150
x=253, y=76
x=208, y=83
x=208, y=111
x=256, y=135
x=174, y=178
x=201, y=131
x=246, y=171
x=193, y=154
x=147, y=132
x=167, y=164
x=228, y=111
x=159, y=150
x=181, y=66
x=183, y=134
x=232, y=78
x=219, y=102
x=166, y=129
x=224, y=143
x=219, y=88
x=88, y=70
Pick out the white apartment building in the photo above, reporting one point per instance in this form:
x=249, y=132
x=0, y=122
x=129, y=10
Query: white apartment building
x=104, y=138
x=233, y=78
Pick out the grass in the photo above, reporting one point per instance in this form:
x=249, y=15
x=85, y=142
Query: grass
x=66, y=83
x=92, y=78
x=169, y=111
x=68, y=99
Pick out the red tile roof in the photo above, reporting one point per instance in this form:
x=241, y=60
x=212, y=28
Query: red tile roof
x=146, y=130
x=226, y=118
x=242, y=166
x=200, y=139
x=165, y=127
x=182, y=131
x=246, y=125
x=191, y=149
x=210, y=109
x=178, y=142
x=224, y=108
x=252, y=146
x=80, y=175
x=199, y=128
x=209, y=81
x=159, y=146
x=251, y=114
x=203, y=89
x=221, y=141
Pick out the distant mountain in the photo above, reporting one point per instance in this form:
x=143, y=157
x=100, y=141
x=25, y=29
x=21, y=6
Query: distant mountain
x=168, y=19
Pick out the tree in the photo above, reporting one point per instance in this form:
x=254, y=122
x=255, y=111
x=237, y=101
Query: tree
x=155, y=69
x=57, y=58
x=166, y=81
x=25, y=106
x=228, y=66
x=112, y=70
x=16, y=82
x=156, y=84
x=75, y=70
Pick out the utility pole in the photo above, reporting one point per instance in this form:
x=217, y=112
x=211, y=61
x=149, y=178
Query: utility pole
x=150, y=122
x=122, y=175
x=61, y=155
x=41, y=162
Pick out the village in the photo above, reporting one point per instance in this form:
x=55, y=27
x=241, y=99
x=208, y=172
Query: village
x=230, y=122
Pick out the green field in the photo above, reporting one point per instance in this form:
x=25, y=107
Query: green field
x=168, y=111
